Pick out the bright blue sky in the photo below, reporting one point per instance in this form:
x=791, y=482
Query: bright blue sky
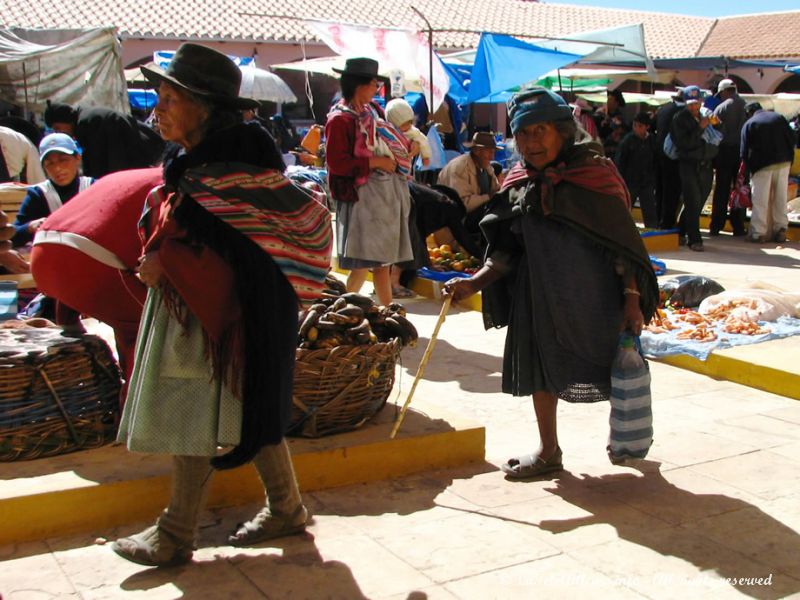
x=698, y=8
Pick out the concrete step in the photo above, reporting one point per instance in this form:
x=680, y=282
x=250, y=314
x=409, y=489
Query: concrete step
x=110, y=486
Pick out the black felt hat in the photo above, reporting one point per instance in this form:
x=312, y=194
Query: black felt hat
x=203, y=71
x=361, y=67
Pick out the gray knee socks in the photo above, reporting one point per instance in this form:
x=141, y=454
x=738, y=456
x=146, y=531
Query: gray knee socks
x=274, y=466
x=190, y=479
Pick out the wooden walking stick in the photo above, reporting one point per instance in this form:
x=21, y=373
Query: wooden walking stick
x=425, y=357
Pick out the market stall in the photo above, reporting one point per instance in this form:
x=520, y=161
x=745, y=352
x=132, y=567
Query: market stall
x=698, y=316
x=74, y=66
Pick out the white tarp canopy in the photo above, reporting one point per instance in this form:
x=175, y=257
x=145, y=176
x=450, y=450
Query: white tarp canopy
x=606, y=46
x=403, y=52
x=75, y=66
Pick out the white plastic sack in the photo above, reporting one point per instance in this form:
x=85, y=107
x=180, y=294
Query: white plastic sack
x=438, y=157
x=760, y=302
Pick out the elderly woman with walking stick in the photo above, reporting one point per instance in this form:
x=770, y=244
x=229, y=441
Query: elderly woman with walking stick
x=229, y=246
x=565, y=269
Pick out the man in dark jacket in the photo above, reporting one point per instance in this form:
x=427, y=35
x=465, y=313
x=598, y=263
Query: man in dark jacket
x=636, y=161
x=111, y=141
x=730, y=114
x=767, y=150
x=668, y=189
x=694, y=163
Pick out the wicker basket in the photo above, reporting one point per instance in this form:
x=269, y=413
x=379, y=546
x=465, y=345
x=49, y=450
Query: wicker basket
x=338, y=389
x=57, y=394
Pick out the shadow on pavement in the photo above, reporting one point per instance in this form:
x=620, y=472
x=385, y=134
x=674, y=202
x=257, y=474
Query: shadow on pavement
x=298, y=570
x=755, y=544
x=473, y=371
x=403, y=496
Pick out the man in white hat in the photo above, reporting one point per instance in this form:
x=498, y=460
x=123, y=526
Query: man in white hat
x=731, y=115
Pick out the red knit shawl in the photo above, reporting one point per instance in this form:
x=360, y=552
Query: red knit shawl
x=597, y=174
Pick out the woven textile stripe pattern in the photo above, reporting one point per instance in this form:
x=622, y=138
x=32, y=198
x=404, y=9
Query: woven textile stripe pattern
x=277, y=215
x=631, y=419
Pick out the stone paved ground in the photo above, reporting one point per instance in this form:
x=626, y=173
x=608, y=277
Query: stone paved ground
x=718, y=498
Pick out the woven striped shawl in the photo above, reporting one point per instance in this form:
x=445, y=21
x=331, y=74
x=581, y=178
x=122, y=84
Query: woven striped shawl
x=279, y=216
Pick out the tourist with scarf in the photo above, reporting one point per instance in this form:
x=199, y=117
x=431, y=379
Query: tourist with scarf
x=368, y=170
x=565, y=269
x=229, y=247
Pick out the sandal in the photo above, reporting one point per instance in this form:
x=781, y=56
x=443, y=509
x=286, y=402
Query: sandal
x=266, y=526
x=532, y=465
x=402, y=292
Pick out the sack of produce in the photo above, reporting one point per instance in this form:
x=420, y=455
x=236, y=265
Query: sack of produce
x=688, y=291
x=757, y=302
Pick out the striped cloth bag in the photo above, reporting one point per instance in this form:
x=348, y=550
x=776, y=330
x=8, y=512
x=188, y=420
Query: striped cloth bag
x=631, y=418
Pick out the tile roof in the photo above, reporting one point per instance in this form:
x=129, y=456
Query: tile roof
x=771, y=35
x=666, y=35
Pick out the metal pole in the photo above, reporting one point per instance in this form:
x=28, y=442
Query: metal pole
x=430, y=60
x=25, y=87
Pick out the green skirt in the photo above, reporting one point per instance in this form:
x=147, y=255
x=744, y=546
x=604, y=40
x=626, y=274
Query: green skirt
x=174, y=404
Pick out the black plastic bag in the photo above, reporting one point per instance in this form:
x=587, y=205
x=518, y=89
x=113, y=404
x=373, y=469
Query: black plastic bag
x=688, y=291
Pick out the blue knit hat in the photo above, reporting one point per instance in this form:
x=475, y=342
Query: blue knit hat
x=535, y=106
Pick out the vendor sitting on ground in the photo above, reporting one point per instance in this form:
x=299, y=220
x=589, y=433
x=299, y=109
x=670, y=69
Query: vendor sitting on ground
x=61, y=160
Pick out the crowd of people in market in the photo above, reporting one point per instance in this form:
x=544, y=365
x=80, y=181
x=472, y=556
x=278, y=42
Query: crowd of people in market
x=203, y=288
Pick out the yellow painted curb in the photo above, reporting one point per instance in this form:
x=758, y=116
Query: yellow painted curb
x=358, y=457
x=727, y=368
x=661, y=243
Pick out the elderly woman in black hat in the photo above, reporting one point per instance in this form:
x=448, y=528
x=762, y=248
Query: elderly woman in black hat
x=565, y=269
x=229, y=246
x=368, y=168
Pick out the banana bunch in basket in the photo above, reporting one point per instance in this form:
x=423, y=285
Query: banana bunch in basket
x=347, y=318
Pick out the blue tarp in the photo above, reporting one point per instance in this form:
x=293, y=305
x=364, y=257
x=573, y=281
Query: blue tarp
x=503, y=62
x=142, y=99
